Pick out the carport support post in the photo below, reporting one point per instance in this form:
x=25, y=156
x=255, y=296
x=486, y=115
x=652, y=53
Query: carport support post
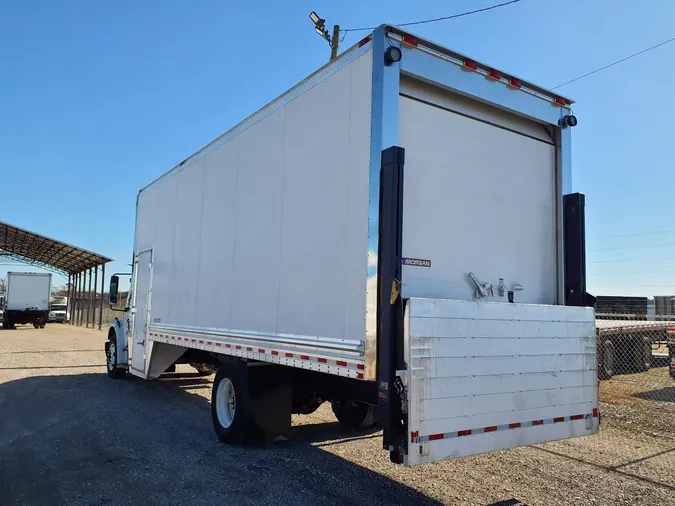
x=89, y=304
x=71, y=299
x=100, y=310
x=93, y=306
x=68, y=288
x=79, y=297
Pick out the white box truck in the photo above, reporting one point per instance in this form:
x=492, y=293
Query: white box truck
x=394, y=235
x=26, y=299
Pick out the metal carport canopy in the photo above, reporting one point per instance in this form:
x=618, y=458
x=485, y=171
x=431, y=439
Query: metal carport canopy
x=41, y=251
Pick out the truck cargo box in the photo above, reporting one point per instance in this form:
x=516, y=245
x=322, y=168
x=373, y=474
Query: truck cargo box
x=399, y=219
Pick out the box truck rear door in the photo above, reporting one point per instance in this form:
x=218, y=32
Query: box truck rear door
x=478, y=197
x=486, y=376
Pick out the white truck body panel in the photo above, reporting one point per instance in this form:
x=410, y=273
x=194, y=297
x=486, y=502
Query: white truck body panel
x=491, y=376
x=28, y=290
x=267, y=233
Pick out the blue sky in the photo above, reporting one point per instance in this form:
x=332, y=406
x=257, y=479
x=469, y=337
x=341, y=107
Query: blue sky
x=99, y=98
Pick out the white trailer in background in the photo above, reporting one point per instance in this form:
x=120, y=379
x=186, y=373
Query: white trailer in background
x=26, y=299
x=392, y=235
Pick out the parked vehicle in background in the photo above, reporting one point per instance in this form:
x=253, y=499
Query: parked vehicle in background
x=2, y=305
x=58, y=310
x=391, y=236
x=628, y=334
x=26, y=299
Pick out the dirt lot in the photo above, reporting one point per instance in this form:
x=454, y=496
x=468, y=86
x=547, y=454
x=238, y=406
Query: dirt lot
x=70, y=435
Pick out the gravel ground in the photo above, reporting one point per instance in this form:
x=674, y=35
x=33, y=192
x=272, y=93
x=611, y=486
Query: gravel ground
x=70, y=435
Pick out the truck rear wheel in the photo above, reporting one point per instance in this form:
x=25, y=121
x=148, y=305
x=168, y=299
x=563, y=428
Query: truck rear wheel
x=354, y=415
x=607, y=354
x=230, y=407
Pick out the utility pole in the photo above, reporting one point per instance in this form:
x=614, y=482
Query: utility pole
x=320, y=27
x=335, y=42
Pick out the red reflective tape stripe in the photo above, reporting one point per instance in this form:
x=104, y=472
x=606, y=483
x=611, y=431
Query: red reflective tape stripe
x=193, y=340
x=359, y=375
x=361, y=367
x=341, y=363
x=218, y=344
x=248, y=348
x=492, y=428
x=209, y=343
x=289, y=355
x=514, y=425
x=559, y=419
x=577, y=417
x=463, y=433
x=304, y=357
x=260, y=350
x=180, y=338
x=228, y=346
x=537, y=422
x=595, y=412
x=275, y=353
x=434, y=437
x=414, y=435
x=322, y=360
x=201, y=342
x=238, y=347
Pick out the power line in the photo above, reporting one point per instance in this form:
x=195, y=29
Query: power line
x=635, y=247
x=632, y=235
x=628, y=260
x=443, y=18
x=615, y=63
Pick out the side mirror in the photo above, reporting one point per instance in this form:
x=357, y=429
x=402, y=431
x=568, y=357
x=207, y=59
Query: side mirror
x=114, y=289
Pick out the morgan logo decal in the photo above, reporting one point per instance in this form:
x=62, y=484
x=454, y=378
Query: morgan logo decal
x=417, y=262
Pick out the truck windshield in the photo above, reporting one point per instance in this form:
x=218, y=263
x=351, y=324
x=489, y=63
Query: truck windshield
x=59, y=307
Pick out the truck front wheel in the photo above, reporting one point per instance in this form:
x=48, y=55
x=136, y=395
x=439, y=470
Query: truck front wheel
x=354, y=415
x=114, y=371
x=230, y=406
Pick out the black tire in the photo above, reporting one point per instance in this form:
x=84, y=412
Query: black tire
x=642, y=354
x=354, y=415
x=36, y=325
x=307, y=406
x=114, y=371
x=231, y=426
x=607, y=354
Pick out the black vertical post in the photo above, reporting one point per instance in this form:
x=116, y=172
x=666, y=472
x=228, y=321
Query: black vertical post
x=390, y=305
x=100, y=307
x=574, y=236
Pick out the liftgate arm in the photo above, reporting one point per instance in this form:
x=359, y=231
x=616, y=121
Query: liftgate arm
x=390, y=306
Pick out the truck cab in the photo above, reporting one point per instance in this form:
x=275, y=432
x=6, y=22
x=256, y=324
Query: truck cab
x=58, y=310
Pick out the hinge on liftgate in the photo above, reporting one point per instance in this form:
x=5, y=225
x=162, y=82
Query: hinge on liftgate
x=395, y=291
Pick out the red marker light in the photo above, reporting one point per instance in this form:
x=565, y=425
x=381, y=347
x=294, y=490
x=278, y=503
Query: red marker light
x=470, y=65
x=493, y=74
x=560, y=101
x=410, y=40
x=515, y=83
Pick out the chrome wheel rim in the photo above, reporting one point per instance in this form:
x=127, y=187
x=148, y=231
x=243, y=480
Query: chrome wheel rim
x=225, y=403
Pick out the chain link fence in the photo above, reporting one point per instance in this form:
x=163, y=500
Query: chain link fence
x=636, y=358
